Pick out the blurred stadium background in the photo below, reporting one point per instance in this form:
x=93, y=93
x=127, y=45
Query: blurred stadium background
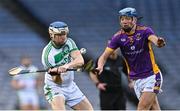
x=24, y=30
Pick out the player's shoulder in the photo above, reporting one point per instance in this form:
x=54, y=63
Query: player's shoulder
x=69, y=40
x=33, y=67
x=47, y=46
x=119, y=33
x=142, y=27
x=47, y=49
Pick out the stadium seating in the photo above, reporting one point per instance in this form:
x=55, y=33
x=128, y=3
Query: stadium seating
x=16, y=39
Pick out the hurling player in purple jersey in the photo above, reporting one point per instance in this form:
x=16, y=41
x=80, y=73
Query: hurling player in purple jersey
x=135, y=43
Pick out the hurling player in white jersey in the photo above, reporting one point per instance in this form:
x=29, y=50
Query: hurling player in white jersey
x=62, y=51
x=26, y=86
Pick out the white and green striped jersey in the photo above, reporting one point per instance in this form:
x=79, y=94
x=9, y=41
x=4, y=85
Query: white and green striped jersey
x=53, y=56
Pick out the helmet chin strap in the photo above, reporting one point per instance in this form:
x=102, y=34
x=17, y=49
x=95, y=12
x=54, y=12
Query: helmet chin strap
x=128, y=30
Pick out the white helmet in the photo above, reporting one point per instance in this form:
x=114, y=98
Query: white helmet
x=58, y=28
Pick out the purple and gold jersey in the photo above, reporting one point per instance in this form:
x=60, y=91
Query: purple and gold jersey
x=137, y=52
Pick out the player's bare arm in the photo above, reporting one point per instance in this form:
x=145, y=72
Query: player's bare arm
x=99, y=85
x=158, y=41
x=102, y=59
x=78, y=61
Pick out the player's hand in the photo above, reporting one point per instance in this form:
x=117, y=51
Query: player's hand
x=161, y=42
x=53, y=71
x=101, y=86
x=61, y=69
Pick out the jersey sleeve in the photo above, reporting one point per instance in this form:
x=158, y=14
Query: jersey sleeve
x=149, y=32
x=72, y=45
x=43, y=59
x=113, y=43
x=47, y=63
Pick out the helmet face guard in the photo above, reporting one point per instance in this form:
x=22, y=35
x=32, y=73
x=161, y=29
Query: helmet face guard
x=58, y=28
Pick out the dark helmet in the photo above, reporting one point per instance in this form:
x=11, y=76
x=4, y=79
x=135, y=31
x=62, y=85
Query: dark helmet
x=58, y=27
x=130, y=12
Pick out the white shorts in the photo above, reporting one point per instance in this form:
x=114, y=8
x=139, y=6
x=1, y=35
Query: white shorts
x=72, y=94
x=150, y=84
x=26, y=98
